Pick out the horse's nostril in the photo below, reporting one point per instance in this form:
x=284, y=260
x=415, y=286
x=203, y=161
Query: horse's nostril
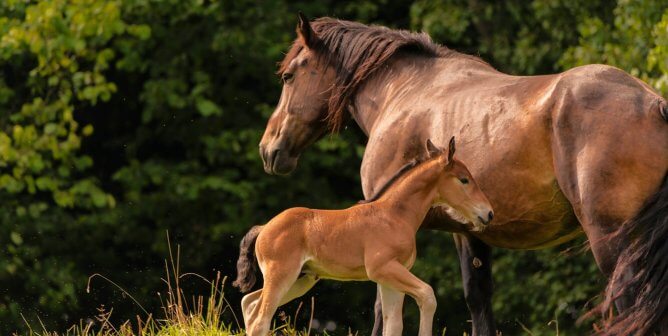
x=273, y=156
x=491, y=216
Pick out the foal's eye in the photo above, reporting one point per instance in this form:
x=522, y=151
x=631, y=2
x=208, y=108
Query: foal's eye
x=287, y=76
x=464, y=180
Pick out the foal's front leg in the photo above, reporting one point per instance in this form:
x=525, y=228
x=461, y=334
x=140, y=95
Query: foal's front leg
x=392, y=301
x=395, y=275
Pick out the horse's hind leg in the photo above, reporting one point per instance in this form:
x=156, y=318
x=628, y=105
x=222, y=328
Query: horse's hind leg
x=607, y=176
x=603, y=203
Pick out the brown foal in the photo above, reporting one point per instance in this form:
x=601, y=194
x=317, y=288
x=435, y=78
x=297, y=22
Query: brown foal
x=370, y=241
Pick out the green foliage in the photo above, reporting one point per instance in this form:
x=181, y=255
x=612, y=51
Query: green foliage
x=522, y=37
x=636, y=41
x=122, y=119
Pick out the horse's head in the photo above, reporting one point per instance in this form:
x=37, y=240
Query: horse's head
x=458, y=193
x=299, y=118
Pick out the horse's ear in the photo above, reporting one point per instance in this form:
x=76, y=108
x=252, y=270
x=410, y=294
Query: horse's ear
x=451, y=149
x=432, y=150
x=304, y=30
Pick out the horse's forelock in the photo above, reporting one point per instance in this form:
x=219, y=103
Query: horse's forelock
x=295, y=49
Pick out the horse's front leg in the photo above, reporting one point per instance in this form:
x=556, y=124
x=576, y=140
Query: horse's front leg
x=475, y=259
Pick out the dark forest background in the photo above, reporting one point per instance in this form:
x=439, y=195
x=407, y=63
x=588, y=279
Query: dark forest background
x=122, y=120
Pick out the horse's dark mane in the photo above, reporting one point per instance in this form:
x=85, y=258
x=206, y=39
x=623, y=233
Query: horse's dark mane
x=400, y=173
x=357, y=51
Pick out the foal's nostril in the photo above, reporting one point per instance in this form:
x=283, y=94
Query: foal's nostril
x=491, y=216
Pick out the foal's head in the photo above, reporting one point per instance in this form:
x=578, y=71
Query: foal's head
x=458, y=192
x=299, y=118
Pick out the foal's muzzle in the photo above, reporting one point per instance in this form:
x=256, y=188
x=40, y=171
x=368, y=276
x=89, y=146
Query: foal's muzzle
x=489, y=216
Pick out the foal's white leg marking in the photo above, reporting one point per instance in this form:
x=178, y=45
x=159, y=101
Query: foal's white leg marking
x=393, y=302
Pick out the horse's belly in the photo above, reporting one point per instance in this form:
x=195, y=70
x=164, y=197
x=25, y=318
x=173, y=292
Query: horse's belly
x=509, y=153
x=546, y=220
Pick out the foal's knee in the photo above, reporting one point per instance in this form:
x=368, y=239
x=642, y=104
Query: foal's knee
x=427, y=298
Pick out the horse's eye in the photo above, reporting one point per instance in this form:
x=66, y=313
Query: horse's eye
x=287, y=76
x=464, y=180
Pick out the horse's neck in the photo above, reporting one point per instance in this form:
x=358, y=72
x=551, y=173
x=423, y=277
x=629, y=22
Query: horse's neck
x=413, y=195
x=403, y=79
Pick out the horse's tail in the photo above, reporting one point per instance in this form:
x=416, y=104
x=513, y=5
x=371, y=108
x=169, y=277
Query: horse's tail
x=641, y=273
x=247, y=263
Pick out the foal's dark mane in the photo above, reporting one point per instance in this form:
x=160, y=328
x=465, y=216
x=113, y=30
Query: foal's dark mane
x=357, y=51
x=400, y=173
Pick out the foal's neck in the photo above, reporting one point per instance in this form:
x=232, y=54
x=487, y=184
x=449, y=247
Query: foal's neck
x=412, y=196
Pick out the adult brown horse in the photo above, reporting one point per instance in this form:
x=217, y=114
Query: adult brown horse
x=585, y=150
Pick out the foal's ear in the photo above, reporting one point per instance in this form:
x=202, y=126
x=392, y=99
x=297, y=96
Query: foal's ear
x=432, y=150
x=304, y=30
x=451, y=149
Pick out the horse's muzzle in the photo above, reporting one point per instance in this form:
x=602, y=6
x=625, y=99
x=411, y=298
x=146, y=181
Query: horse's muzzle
x=276, y=161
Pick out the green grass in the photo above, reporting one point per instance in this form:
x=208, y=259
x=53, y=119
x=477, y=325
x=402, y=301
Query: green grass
x=200, y=316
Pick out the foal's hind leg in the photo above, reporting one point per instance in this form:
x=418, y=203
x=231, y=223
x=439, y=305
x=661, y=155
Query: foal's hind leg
x=278, y=280
x=394, y=275
x=248, y=304
x=299, y=288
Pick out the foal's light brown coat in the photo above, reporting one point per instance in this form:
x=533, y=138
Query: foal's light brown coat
x=371, y=241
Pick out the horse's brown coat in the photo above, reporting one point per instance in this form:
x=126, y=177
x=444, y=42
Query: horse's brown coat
x=556, y=154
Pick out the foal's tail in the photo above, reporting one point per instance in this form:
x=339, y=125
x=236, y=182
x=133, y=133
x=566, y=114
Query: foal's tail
x=247, y=263
x=641, y=273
